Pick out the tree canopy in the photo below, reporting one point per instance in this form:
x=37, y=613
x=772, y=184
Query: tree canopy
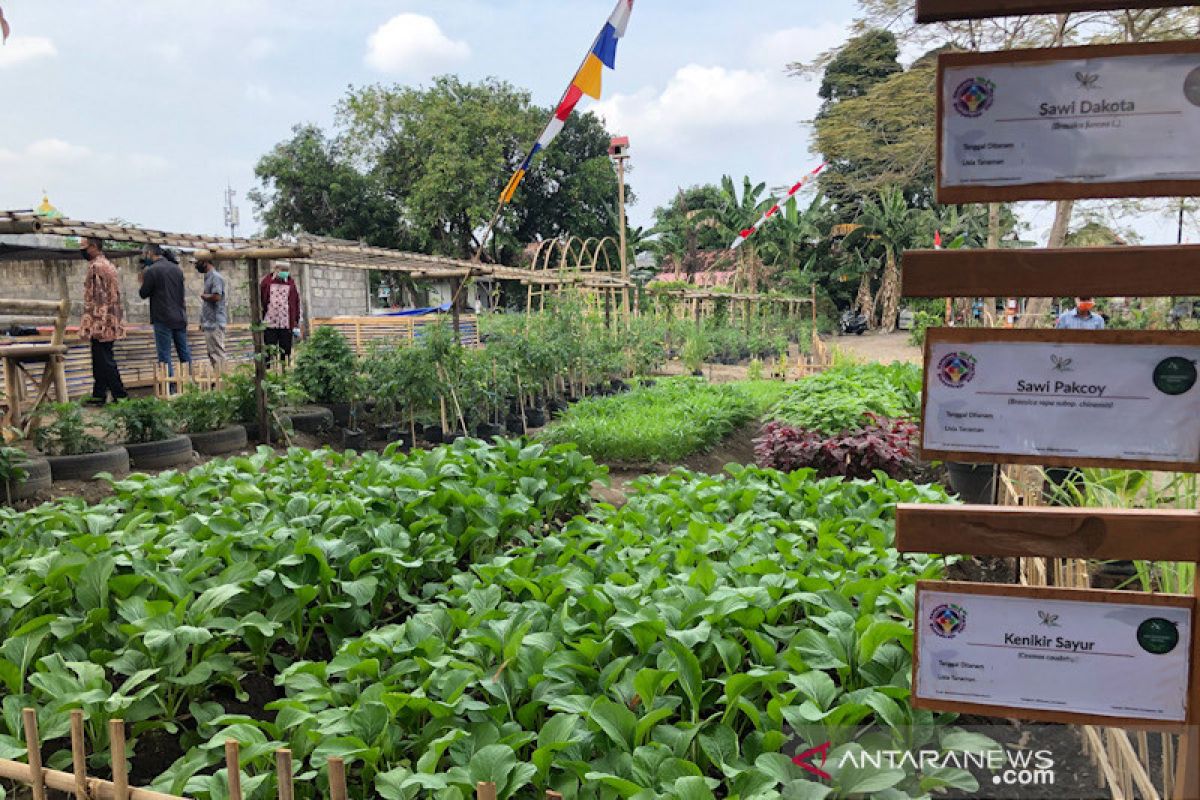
x=422, y=168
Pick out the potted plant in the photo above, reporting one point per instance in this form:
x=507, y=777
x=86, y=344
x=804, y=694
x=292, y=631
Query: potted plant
x=326, y=370
x=695, y=351
x=21, y=475
x=146, y=426
x=207, y=417
x=73, y=451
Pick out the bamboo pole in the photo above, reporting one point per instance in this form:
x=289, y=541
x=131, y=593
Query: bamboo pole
x=33, y=746
x=260, y=366
x=254, y=253
x=64, y=782
x=116, y=736
x=485, y=791
x=283, y=774
x=79, y=755
x=233, y=769
x=337, y=779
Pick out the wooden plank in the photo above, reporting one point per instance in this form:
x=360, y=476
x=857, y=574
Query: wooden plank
x=1067, y=272
x=1024, y=532
x=969, y=336
x=959, y=195
x=1051, y=593
x=945, y=10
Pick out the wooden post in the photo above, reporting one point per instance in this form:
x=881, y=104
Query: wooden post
x=260, y=365
x=456, y=288
x=337, y=779
x=485, y=791
x=1187, y=764
x=33, y=746
x=306, y=299
x=116, y=741
x=79, y=755
x=283, y=774
x=233, y=769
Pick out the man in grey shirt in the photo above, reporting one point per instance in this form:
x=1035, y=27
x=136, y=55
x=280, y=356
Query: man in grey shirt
x=213, y=316
x=162, y=284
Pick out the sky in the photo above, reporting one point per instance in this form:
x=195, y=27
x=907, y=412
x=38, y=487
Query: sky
x=144, y=110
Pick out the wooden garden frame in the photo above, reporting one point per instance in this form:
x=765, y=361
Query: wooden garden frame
x=945, y=10
x=957, y=195
x=968, y=336
x=1167, y=271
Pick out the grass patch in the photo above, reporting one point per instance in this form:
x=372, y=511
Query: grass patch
x=664, y=423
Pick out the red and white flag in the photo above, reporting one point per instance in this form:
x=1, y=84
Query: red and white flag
x=4, y=29
x=773, y=210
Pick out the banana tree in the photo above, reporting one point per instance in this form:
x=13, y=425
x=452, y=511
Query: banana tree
x=888, y=224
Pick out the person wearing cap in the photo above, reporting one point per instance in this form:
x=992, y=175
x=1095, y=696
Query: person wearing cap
x=1082, y=317
x=280, y=309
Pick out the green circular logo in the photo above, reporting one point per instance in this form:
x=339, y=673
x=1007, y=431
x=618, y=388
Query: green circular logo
x=1175, y=375
x=1158, y=636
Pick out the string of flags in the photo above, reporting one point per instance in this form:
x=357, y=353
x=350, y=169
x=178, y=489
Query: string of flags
x=588, y=81
x=773, y=210
x=4, y=29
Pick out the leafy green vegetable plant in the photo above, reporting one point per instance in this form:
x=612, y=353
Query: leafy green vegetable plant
x=67, y=433
x=140, y=420
x=326, y=369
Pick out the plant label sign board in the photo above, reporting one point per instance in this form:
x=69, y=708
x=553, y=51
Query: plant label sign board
x=942, y=10
x=1069, y=123
x=1055, y=655
x=1063, y=398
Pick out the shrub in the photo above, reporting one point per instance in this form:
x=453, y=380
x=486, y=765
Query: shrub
x=695, y=351
x=141, y=420
x=838, y=400
x=885, y=445
x=922, y=321
x=326, y=368
x=201, y=412
x=67, y=434
x=11, y=470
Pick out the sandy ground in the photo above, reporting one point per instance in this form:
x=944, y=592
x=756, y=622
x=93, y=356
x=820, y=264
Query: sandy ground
x=884, y=348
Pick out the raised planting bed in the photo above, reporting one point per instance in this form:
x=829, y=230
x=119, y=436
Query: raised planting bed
x=163, y=454
x=37, y=479
x=220, y=442
x=87, y=466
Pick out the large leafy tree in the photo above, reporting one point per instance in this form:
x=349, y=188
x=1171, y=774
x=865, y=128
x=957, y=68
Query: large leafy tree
x=433, y=162
x=863, y=62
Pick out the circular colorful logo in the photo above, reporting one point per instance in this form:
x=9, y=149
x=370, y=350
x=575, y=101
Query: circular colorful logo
x=1175, y=375
x=948, y=620
x=956, y=370
x=974, y=96
x=1191, y=87
x=1158, y=636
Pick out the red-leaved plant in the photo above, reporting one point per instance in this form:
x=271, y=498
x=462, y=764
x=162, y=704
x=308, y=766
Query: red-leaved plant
x=882, y=444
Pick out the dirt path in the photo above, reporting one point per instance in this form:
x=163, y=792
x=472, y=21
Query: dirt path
x=875, y=347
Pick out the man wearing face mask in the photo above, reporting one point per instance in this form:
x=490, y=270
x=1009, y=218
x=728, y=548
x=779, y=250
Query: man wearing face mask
x=162, y=284
x=1082, y=317
x=280, y=309
x=103, y=321
x=213, y=317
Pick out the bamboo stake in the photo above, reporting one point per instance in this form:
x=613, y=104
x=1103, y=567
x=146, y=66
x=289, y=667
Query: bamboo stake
x=337, y=779
x=33, y=746
x=79, y=755
x=485, y=791
x=18, y=771
x=233, y=769
x=283, y=773
x=116, y=736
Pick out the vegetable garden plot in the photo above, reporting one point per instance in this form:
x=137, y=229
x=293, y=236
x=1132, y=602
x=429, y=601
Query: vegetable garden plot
x=662, y=650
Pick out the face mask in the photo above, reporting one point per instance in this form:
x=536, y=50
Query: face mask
x=201, y=269
x=147, y=261
x=283, y=275
x=1086, y=307
x=84, y=255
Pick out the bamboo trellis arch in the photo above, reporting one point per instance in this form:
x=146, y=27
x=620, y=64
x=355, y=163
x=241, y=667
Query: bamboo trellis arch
x=572, y=260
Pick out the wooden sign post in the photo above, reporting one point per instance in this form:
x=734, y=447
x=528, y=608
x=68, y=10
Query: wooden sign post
x=1069, y=123
x=944, y=10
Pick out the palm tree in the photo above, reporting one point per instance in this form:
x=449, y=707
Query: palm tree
x=735, y=214
x=795, y=235
x=890, y=225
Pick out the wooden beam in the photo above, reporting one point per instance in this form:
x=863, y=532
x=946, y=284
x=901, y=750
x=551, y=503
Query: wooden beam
x=943, y=10
x=1022, y=532
x=1067, y=272
x=283, y=253
x=15, y=226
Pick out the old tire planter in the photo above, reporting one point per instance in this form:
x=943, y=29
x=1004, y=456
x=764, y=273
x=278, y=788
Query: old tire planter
x=312, y=419
x=975, y=484
x=37, y=480
x=225, y=440
x=160, y=455
x=85, y=467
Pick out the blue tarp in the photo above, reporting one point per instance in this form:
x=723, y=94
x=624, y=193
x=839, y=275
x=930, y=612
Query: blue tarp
x=417, y=312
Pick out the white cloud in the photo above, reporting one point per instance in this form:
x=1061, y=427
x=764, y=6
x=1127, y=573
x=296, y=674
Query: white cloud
x=413, y=43
x=790, y=45
x=56, y=151
x=22, y=49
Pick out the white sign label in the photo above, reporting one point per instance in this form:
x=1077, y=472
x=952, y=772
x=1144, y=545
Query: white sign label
x=1122, y=118
x=1106, y=659
x=1105, y=401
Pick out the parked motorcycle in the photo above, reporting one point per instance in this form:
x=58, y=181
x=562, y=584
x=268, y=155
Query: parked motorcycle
x=853, y=324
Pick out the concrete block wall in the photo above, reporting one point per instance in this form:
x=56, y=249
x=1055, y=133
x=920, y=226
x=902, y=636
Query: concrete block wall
x=338, y=292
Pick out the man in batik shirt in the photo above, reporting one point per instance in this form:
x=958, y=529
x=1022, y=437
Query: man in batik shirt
x=103, y=321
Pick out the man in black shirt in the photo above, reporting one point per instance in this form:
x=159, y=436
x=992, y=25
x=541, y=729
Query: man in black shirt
x=162, y=283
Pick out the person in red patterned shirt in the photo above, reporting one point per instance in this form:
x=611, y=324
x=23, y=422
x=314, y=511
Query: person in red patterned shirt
x=103, y=321
x=280, y=309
